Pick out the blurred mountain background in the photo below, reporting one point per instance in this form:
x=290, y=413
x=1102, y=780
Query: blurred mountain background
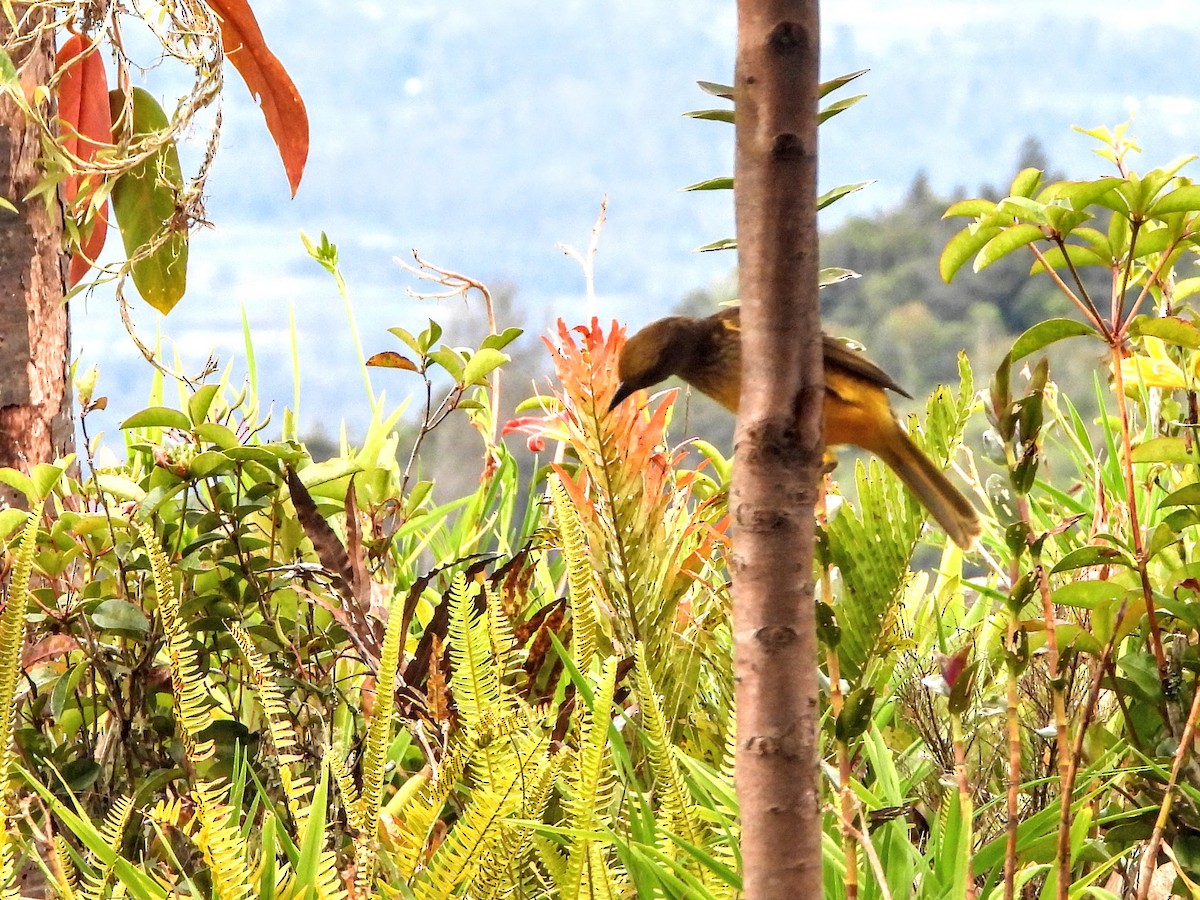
x=482, y=134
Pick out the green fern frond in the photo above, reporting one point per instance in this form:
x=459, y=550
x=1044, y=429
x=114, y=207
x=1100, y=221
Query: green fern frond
x=551, y=857
x=192, y=692
x=220, y=840
x=297, y=788
x=12, y=640
x=671, y=790
x=97, y=882
x=478, y=834
x=503, y=641
x=581, y=580
x=590, y=785
x=66, y=876
x=506, y=862
x=364, y=810
x=328, y=882
x=422, y=812
x=873, y=545
x=477, y=684
x=476, y=679
x=351, y=798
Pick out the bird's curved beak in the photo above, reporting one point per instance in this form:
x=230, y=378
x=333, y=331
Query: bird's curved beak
x=623, y=391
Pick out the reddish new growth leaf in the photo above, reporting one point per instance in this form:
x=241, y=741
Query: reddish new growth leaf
x=268, y=80
x=86, y=128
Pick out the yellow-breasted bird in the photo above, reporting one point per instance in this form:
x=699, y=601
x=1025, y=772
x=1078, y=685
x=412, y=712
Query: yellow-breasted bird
x=707, y=354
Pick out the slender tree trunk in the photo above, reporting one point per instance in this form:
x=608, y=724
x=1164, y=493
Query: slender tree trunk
x=779, y=446
x=35, y=391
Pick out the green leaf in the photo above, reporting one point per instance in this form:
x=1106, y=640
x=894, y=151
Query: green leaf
x=1169, y=329
x=503, y=339
x=974, y=208
x=1008, y=241
x=1163, y=450
x=120, y=615
x=450, y=360
x=407, y=336
x=1092, y=555
x=158, y=417
x=44, y=477
x=200, y=402
x=962, y=247
x=828, y=87
x=8, y=72
x=833, y=275
x=145, y=202
x=723, y=183
x=267, y=455
x=724, y=91
x=1088, y=594
x=1079, y=194
x=723, y=244
x=220, y=435
x=18, y=482
x=11, y=519
x=329, y=470
x=1026, y=182
x=209, y=463
x=312, y=840
x=120, y=487
x=839, y=107
x=837, y=193
x=712, y=115
x=1043, y=334
x=1188, y=495
x=481, y=364
x=1076, y=253
x=1154, y=241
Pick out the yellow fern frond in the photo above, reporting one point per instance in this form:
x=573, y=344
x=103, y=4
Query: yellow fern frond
x=97, y=883
x=221, y=842
x=477, y=683
x=344, y=778
x=192, y=692
x=590, y=784
x=12, y=639
x=581, y=577
x=297, y=788
x=505, y=864
x=671, y=791
x=478, y=834
x=419, y=815
x=66, y=876
x=379, y=738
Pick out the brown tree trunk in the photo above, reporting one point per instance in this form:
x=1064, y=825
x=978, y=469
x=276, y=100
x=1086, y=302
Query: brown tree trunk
x=35, y=390
x=779, y=445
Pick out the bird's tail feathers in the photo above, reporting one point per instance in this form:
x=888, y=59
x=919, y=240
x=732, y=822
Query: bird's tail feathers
x=946, y=503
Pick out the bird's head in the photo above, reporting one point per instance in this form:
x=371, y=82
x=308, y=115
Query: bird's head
x=655, y=353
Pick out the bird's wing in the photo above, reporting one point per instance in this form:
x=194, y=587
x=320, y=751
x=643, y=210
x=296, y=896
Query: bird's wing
x=839, y=356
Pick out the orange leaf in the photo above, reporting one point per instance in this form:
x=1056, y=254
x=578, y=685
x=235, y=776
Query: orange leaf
x=83, y=258
x=390, y=359
x=267, y=79
x=87, y=127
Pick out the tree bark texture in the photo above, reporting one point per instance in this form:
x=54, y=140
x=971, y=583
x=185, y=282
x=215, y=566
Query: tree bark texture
x=35, y=394
x=779, y=446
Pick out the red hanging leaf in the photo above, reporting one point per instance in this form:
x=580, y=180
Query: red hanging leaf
x=89, y=250
x=268, y=80
x=86, y=128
